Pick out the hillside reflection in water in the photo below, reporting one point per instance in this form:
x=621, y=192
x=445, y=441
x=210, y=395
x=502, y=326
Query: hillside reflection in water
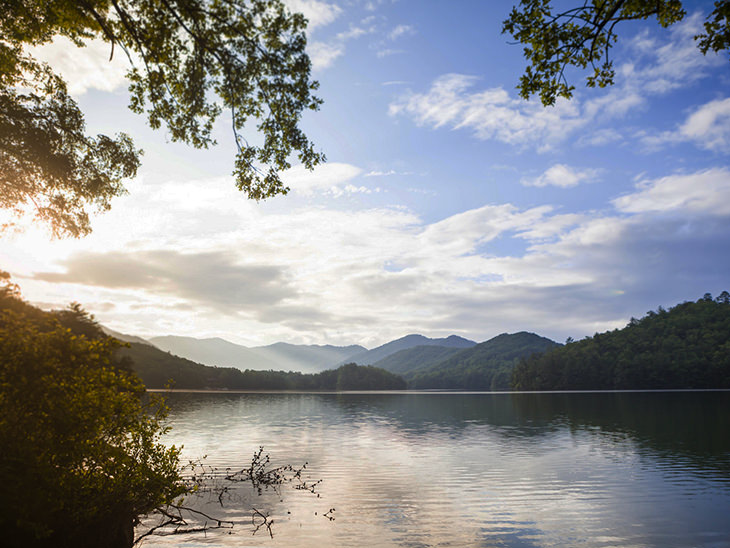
x=437, y=469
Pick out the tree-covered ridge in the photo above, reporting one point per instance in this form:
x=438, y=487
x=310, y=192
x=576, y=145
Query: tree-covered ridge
x=417, y=358
x=371, y=357
x=159, y=369
x=687, y=346
x=486, y=366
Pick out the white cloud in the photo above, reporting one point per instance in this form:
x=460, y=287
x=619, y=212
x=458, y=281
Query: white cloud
x=326, y=275
x=600, y=137
x=454, y=101
x=388, y=52
x=380, y=173
x=489, y=114
x=401, y=30
x=552, y=226
x=563, y=176
x=705, y=192
x=317, y=12
x=323, y=55
x=352, y=32
x=87, y=67
x=708, y=126
x=352, y=189
x=324, y=177
x=671, y=63
x=389, y=173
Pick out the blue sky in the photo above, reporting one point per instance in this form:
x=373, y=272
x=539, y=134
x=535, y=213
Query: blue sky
x=447, y=205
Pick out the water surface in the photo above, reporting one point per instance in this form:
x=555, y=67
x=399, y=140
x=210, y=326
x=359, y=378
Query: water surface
x=460, y=469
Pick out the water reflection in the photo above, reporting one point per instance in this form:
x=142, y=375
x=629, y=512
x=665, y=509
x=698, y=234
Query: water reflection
x=594, y=469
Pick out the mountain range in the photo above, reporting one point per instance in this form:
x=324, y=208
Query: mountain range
x=293, y=357
x=278, y=356
x=445, y=363
x=370, y=357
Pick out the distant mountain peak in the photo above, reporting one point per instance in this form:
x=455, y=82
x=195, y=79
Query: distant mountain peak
x=277, y=356
x=409, y=341
x=124, y=337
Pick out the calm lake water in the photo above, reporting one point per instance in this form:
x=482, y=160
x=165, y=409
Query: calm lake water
x=466, y=469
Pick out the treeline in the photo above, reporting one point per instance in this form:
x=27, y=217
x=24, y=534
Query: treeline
x=159, y=369
x=687, y=346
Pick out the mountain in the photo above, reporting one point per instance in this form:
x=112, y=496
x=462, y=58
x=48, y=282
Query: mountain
x=687, y=346
x=124, y=338
x=416, y=358
x=486, y=366
x=215, y=351
x=158, y=369
x=307, y=358
x=278, y=356
x=373, y=356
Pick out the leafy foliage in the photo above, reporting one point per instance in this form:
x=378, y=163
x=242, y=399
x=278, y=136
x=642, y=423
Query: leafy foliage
x=47, y=162
x=687, y=346
x=81, y=457
x=486, y=366
x=583, y=36
x=81, y=461
x=189, y=59
x=717, y=29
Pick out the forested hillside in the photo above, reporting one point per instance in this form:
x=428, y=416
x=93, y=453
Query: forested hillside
x=371, y=357
x=486, y=366
x=687, y=346
x=416, y=358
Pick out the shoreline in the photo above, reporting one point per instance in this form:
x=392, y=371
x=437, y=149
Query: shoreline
x=433, y=391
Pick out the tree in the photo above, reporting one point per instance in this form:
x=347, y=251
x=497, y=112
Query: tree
x=583, y=36
x=82, y=461
x=81, y=458
x=189, y=60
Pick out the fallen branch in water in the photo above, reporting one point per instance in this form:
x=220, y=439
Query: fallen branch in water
x=181, y=518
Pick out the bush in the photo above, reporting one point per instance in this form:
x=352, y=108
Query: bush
x=81, y=459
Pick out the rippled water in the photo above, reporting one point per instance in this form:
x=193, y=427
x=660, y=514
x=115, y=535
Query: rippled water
x=446, y=469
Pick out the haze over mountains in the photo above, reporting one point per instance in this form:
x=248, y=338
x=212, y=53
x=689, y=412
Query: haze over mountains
x=293, y=357
x=451, y=362
x=278, y=356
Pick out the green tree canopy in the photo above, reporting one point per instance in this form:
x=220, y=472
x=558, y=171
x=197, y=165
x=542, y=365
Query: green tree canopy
x=81, y=456
x=189, y=61
x=582, y=36
x=685, y=347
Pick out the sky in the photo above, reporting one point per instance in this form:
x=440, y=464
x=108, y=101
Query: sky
x=448, y=204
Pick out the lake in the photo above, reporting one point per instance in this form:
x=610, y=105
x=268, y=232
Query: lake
x=470, y=469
